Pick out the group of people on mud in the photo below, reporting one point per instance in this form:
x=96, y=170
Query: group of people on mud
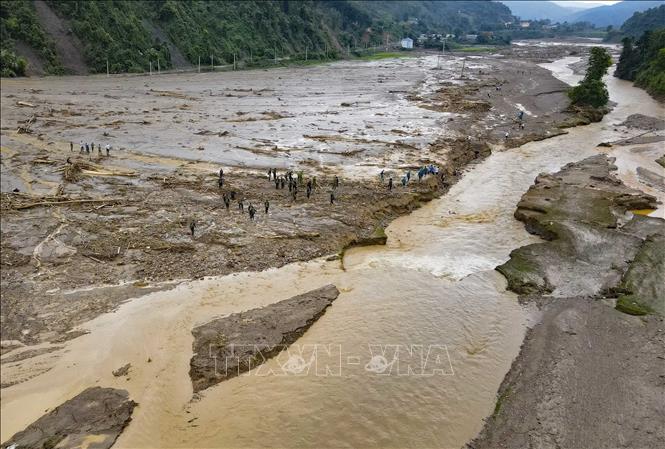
x=520, y=121
x=89, y=148
x=295, y=181
x=422, y=172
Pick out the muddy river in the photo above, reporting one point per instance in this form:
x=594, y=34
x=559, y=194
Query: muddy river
x=410, y=354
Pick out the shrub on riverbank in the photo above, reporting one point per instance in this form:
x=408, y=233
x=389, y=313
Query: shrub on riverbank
x=591, y=91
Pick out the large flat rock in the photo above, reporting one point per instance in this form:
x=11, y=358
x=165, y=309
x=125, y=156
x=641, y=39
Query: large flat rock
x=92, y=419
x=229, y=346
x=581, y=211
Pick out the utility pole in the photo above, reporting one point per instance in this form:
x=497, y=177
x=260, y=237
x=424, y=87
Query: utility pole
x=158, y=68
x=199, y=63
x=463, y=62
x=305, y=53
x=275, y=50
x=251, y=59
x=326, y=50
x=212, y=62
x=150, y=68
x=234, y=61
x=107, y=67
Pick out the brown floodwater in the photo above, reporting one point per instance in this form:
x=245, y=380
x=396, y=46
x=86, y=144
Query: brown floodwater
x=432, y=290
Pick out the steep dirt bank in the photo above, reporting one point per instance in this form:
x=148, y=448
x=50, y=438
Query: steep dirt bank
x=587, y=375
x=68, y=47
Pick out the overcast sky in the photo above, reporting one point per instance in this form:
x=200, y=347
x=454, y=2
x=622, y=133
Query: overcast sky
x=584, y=3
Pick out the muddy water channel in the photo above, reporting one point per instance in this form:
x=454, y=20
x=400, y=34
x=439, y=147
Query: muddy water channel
x=429, y=304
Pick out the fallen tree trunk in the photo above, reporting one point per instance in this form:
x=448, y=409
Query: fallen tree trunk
x=53, y=203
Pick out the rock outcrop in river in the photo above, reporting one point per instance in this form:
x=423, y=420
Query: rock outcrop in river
x=587, y=375
x=229, y=346
x=582, y=212
x=93, y=418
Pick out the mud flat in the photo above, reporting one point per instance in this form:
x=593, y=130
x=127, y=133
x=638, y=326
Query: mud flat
x=79, y=238
x=590, y=373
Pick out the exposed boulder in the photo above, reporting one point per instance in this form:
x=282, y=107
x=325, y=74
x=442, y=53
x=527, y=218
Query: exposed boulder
x=93, y=418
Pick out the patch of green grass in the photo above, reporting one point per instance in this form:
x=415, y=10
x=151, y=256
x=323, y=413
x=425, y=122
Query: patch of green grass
x=500, y=400
x=379, y=232
x=474, y=49
x=629, y=304
x=382, y=55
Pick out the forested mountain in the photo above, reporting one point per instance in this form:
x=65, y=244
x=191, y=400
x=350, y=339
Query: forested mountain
x=651, y=19
x=80, y=36
x=539, y=10
x=643, y=55
x=614, y=15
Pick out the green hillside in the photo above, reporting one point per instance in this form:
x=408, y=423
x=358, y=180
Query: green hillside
x=643, y=61
x=132, y=33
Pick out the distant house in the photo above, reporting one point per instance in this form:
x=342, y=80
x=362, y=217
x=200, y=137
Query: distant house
x=407, y=42
x=525, y=24
x=471, y=37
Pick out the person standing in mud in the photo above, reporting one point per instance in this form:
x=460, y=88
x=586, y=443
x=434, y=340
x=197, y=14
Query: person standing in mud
x=71, y=146
x=332, y=197
x=336, y=182
x=108, y=150
x=269, y=174
x=251, y=211
x=408, y=176
x=220, y=182
x=221, y=172
x=241, y=206
x=266, y=204
x=87, y=149
x=192, y=227
x=99, y=149
x=276, y=184
x=283, y=182
x=82, y=147
x=390, y=184
x=381, y=175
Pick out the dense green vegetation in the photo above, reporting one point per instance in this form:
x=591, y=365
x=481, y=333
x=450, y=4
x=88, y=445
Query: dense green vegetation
x=643, y=61
x=131, y=34
x=638, y=24
x=591, y=91
x=18, y=23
